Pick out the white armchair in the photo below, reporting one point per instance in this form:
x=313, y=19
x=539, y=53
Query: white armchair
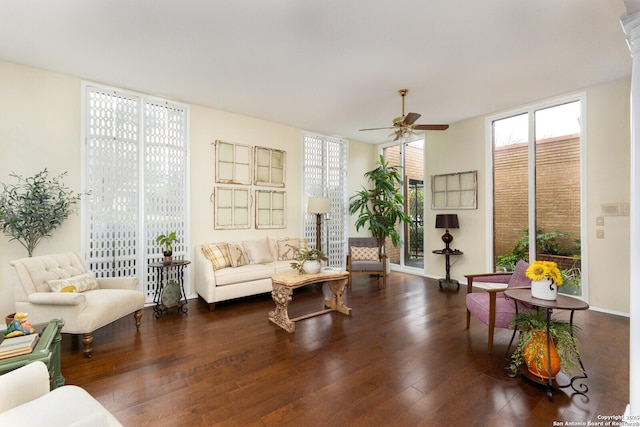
x=82, y=312
x=25, y=401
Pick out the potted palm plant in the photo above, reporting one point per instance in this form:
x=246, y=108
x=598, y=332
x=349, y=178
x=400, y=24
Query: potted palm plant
x=532, y=345
x=381, y=207
x=167, y=242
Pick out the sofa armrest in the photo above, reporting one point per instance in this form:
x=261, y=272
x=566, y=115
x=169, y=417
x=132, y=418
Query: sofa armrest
x=57, y=298
x=205, y=278
x=23, y=385
x=117, y=282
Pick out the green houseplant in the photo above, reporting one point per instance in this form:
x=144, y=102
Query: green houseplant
x=35, y=206
x=381, y=207
x=305, y=255
x=167, y=241
x=533, y=327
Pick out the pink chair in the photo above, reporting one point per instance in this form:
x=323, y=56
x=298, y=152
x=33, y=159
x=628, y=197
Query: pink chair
x=491, y=307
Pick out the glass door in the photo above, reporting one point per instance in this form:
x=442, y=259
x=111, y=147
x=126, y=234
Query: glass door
x=537, y=186
x=410, y=252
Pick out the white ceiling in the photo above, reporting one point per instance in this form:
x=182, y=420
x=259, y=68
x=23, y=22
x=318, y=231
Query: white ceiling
x=328, y=66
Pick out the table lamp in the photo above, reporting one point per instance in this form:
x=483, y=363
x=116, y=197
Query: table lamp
x=447, y=221
x=318, y=206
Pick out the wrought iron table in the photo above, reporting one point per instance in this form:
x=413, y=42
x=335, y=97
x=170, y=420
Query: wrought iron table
x=169, y=294
x=562, y=302
x=447, y=253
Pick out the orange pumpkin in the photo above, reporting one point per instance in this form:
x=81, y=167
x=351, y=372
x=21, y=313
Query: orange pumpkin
x=535, y=356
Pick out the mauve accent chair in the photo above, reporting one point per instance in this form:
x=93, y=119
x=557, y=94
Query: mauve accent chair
x=491, y=307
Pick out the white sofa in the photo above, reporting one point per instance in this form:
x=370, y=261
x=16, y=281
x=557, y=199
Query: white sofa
x=25, y=401
x=218, y=279
x=83, y=311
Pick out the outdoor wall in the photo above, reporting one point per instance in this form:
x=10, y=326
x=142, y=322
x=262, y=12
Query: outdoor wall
x=558, y=190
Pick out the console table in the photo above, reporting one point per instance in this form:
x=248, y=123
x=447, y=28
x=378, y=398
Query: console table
x=562, y=302
x=447, y=253
x=285, y=283
x=169, y=293
x=47, y=350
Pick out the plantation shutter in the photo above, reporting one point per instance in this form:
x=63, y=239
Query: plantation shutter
x=136, y=169
x=325, y=175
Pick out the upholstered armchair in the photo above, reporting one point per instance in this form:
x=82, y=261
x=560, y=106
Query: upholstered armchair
x=60, y=286
x=491, y=307
x=363, y=258
x=25, y=400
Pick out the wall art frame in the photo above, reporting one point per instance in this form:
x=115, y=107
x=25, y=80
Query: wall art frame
x=232, y=208
x=457, y=190
x=270, y=167
x=271, y=209
x=233, y=163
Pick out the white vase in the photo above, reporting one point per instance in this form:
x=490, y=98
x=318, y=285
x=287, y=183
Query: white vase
x=544, y=289
x=311, y=266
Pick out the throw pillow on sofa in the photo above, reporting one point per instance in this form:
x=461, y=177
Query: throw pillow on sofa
x=79, y=283
x=258, y=251
x=218, y=254
x=237, y=254
x=288, y=249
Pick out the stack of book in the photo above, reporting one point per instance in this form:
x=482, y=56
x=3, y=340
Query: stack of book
x=18, y=346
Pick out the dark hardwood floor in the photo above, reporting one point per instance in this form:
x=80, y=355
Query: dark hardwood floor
x=403, y=358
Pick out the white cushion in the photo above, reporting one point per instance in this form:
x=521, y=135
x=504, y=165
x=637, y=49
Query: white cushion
x=258, y=251
x=245, y=273
x=79, y=283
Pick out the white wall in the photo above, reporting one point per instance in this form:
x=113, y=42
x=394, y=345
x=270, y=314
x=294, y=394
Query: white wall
x=462, y=148
x=40, y=127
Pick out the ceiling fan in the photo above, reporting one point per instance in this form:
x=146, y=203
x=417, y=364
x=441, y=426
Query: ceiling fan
x=404, y=126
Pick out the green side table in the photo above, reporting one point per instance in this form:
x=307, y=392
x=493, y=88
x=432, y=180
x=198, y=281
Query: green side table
x=47, y=350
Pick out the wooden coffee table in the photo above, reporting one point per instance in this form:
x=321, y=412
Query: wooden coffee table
x=285, y=283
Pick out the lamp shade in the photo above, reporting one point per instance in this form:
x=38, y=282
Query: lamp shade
x=447, y=221
x=318, y=205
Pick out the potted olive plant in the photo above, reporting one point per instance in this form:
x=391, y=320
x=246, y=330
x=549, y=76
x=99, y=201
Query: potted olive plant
x=308, y=261
x=167, y=241
x=381, y=207
x=35, y=206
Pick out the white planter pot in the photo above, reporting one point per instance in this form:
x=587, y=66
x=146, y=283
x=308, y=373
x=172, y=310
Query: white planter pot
x=544, y=289
x=311, y=266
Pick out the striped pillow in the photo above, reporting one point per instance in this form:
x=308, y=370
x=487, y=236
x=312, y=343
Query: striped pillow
x=218, y=254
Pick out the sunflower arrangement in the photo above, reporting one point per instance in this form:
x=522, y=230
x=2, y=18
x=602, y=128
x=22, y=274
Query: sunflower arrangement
x=545, y=269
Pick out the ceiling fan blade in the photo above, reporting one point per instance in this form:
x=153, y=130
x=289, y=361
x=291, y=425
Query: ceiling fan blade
x=411, y=118
x=375, y=128
x=431, y=127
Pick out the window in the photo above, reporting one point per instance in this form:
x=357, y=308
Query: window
x=325, y=175
x=136, y=167
x=537, y=185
